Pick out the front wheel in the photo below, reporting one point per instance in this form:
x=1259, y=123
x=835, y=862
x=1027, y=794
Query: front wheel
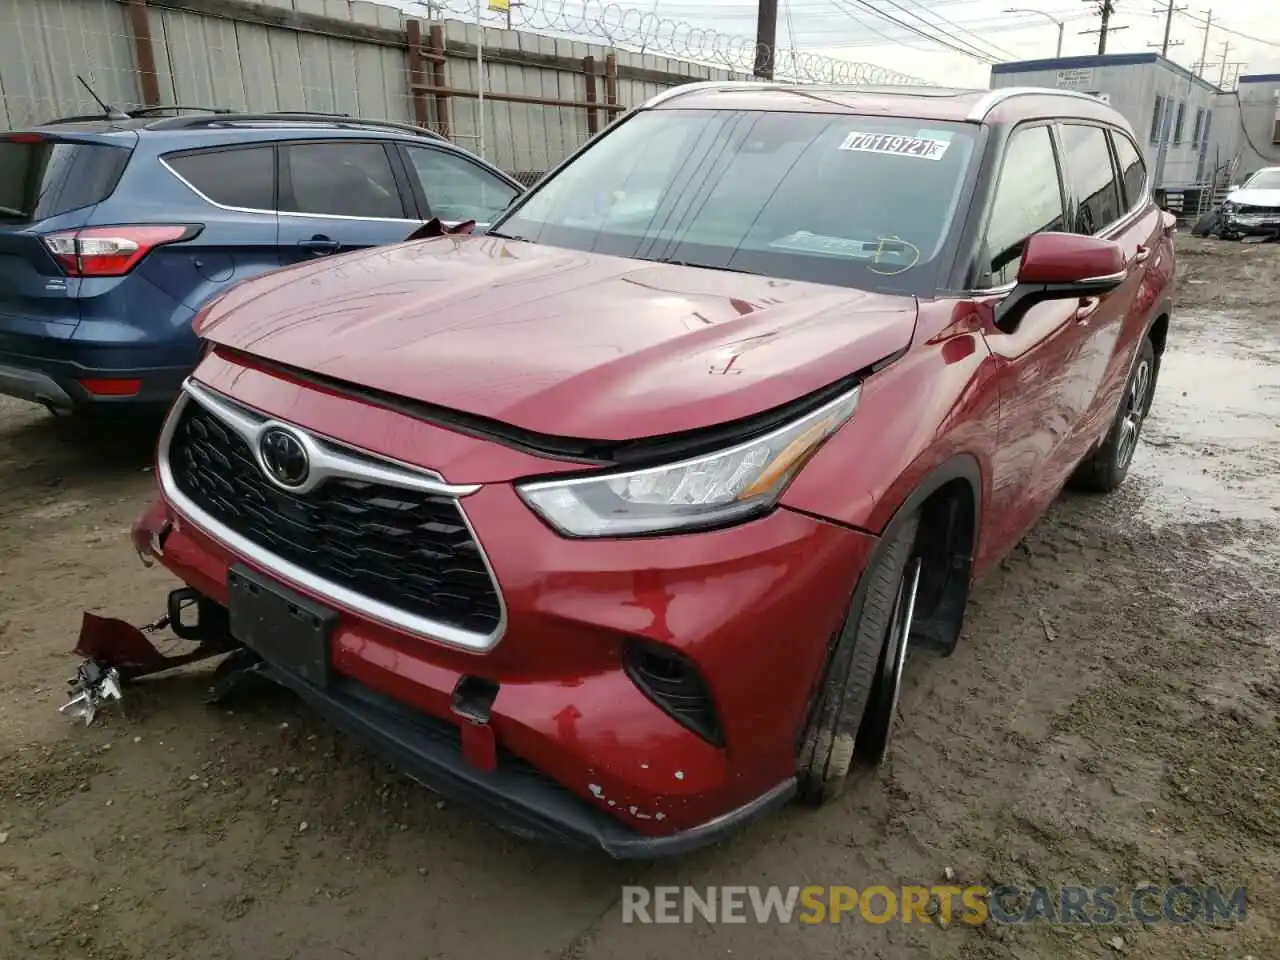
x=1107, y=467
x=854, y=710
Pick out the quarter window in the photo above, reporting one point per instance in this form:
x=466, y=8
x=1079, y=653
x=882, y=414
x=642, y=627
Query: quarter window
x=1028, y=200
x=244, y=177
x=1133, y=172
x=1095, y=195
x=457, y=189
x=342, y=180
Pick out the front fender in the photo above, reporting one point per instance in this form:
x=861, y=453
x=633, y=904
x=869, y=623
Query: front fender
x=937, y=404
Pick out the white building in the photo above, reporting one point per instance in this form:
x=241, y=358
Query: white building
x=1189, y=143
x=1252, y=112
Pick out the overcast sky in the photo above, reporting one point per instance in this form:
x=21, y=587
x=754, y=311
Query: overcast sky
x=850, y=30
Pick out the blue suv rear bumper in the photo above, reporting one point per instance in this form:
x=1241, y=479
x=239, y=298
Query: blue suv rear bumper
x=61, y=387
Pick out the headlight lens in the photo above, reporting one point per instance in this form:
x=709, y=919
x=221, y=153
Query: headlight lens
x=705, y=491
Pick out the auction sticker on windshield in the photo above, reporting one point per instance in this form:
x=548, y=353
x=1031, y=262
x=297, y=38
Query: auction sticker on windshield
x=926, y=148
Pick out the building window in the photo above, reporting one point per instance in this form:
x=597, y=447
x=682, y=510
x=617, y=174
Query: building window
x=1177, y=122
x=1275, y=129
x=1157, y=115
x=1198, y=131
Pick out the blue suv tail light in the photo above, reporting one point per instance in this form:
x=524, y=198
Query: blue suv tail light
x=112, y=251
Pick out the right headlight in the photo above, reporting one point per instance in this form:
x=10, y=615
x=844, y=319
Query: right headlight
x=710, y=490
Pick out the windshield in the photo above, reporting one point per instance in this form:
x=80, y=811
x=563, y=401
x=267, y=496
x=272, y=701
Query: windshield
x=1264, y=180
x=848, y=200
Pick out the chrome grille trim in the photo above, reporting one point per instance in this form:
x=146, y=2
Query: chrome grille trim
x=338, y=460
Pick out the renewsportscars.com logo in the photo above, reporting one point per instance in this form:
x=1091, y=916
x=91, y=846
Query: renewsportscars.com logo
x=940, y=904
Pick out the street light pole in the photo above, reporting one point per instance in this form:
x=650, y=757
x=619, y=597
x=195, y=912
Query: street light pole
x=1047, y=16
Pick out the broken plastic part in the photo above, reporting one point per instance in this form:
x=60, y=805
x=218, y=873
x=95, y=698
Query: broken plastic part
x=94, y=684
x=435, y=227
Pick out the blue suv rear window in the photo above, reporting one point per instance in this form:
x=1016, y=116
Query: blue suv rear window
x=42, y=178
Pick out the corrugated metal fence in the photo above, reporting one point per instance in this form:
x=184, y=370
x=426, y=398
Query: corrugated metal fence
x=344, y=56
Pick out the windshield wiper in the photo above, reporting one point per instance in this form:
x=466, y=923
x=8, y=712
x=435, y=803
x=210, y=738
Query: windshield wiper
x=506, y=236
x=689, y=263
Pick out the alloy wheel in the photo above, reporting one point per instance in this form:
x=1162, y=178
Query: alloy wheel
x=1135, y=408
x=877, y=725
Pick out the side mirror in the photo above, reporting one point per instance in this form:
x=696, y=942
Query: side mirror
x=1061, y=266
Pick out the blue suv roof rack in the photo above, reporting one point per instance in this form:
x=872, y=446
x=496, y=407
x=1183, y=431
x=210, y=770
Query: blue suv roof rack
x=138, y=113
x=342, y=120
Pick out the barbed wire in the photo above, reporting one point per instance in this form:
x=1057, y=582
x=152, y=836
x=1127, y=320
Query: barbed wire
x=644, y=31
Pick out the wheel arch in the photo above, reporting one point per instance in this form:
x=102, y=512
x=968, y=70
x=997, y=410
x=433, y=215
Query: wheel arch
x=949, y=502
x=954, y=484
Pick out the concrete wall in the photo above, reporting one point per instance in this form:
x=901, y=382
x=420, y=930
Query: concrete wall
x=1131, y=83
x=346, y=56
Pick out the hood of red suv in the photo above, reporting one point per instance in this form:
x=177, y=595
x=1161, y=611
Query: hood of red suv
x=558, y=341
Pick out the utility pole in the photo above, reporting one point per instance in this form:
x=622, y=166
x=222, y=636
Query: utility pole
x=1168, y=12
x=1222, y=75
x=1204, y=47
x=1105, y=8
x=766, y=39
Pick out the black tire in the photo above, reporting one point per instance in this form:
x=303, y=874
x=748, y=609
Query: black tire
x=1106, y=467
x=828, y=748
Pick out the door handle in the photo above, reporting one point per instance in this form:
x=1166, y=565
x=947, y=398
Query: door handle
x=1087, y=308
x=1142, y=254
x=319, y=245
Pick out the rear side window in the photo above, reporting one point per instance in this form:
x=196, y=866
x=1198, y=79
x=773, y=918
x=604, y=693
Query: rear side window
x=244, y=177
x=1092, y=186
x=1133, y=172
x=41, y=178
x=1028, y=200
x=343, y=180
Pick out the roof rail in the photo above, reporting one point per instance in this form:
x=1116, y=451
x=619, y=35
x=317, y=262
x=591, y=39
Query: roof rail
x=343, y=120
x=996, y=97
x=135, y=114
x=679, y=91
x=174, y=107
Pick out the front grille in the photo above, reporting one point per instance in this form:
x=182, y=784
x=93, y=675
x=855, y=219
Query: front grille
x=1259, y=211
x=409, y=549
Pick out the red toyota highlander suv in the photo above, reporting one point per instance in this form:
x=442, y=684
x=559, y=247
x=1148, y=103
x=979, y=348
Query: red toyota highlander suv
x=616, y=521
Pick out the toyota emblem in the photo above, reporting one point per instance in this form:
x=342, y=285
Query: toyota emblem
x=285, y=457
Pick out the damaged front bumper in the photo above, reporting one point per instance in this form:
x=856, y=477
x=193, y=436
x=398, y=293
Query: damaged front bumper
x=512, y=794
x=1246, y=224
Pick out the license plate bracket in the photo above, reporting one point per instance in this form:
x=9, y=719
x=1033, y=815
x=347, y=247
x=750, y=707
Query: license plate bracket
x=286, y=629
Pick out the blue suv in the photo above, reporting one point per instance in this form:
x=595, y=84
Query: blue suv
x=115, y=231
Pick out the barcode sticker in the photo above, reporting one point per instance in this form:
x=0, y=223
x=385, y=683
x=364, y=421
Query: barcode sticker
x=926, y=148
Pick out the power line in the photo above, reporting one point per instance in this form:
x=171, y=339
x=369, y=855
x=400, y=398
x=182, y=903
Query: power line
x=1235, y=33
x=999, y=50
x=874, y=29
x=983, y=58
x=955, y=43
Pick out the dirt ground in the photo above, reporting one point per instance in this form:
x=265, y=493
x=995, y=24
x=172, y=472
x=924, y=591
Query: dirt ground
x=1110, y=717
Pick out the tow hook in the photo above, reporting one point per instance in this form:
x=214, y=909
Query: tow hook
x=115, y=651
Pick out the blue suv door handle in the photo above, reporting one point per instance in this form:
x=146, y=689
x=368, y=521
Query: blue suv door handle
x=320, y=245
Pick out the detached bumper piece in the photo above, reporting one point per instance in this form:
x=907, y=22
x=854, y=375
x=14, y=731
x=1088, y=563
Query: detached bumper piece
x=514, y=795
x=115, y=651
